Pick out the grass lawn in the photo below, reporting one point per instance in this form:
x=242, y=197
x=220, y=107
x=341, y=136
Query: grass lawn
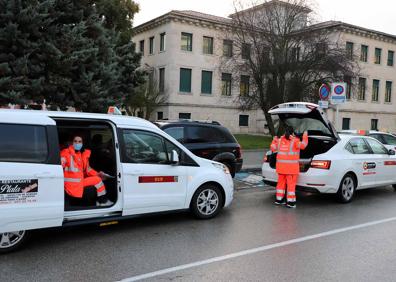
x=248, y=141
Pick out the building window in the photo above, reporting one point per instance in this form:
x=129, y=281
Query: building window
x=185, y=80
x=363, y=53
x=186, y=41
x=349, y=50
x=184, y=115
x=375, y=92
x=226, y=84
x=391, y=54
x=207, y=45
x=227, y=48
x=160, y=115
x=348, y=81
x=244, y=85
x=378, y=52
x=346, y=123
x=151, y=46
x=206, y=82
x=388, y=92
x=162, y=42
x=320, y=49
x=246, y=51
x=295, y=54
x=374, y=124
x=243, y=120
x=362, y=89
x=161, y=80
x=141, y=47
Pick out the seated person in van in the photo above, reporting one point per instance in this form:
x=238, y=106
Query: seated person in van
x=79, y=175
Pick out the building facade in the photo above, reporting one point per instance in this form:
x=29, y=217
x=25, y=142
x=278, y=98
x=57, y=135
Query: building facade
x=186, y=48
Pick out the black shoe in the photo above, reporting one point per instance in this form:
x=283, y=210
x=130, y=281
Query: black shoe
x=280, y=202
x=291, y=205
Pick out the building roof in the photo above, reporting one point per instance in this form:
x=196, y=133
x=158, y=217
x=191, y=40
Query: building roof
x=343, y=25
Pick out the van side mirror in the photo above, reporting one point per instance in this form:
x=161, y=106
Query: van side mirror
x=174, y=158
x=391, y=152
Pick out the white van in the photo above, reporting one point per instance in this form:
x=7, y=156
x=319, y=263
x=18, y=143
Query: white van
x=152, y=172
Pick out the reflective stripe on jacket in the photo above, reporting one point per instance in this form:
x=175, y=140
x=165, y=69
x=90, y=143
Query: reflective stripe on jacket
x=75, y=169
x=288, y=153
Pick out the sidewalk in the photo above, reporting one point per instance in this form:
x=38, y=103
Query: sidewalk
x=252, y=159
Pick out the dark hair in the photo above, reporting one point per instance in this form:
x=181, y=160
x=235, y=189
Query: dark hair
x=288, y=132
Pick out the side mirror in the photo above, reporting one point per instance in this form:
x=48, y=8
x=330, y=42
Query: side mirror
x=391, y=152
x=174, y=158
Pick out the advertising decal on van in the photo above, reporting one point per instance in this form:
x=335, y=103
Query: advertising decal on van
x=18, y=191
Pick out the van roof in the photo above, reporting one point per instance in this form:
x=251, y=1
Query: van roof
x=6, y=115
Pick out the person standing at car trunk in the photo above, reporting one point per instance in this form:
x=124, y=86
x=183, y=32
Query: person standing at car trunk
x=79, y=175
x=287, y=165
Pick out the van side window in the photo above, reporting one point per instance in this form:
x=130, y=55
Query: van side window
x=144, y=147
x=23, y=143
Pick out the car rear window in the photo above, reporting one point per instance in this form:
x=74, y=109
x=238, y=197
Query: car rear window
x=23, y=143
x=204, y=134
x=389, y=139
x=176, y=132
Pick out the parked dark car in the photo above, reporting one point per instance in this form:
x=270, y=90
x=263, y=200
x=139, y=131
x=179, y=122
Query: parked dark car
x=207, y=140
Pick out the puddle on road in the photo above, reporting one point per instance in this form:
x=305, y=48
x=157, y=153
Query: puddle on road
x=250, y=178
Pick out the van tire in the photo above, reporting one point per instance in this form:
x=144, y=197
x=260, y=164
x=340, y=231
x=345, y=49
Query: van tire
x=347, y=189
x=231, y=168
x=15, y=240
x=207, y=201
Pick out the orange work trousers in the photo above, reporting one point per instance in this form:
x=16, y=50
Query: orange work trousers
x=286, y=181
x=97, y=182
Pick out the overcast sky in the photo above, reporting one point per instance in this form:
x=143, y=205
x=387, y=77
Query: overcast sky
x=379, y=14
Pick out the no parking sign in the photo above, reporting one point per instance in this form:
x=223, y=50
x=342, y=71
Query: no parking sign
x=338, y=90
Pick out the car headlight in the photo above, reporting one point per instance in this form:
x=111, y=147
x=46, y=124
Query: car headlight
x=224, y=168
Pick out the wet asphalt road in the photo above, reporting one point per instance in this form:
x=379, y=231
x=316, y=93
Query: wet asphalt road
x=144, y=245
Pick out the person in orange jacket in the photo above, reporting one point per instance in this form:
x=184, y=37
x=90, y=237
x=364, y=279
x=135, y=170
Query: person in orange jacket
x=287, y=165
x=78, y=175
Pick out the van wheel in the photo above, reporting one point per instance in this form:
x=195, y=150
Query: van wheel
x=11, y=241
x=206, y=202
x=347, y=188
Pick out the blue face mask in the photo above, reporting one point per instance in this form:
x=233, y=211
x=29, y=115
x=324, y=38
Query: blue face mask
x=77, y=146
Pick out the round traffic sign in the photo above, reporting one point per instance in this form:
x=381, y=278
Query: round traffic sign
x=339, y=90
x=324, y=92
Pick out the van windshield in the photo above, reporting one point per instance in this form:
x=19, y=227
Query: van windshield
x=313, y=126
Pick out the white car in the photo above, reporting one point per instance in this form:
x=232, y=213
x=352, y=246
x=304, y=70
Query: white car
x=332, y=163
x=387, y=139
x=150, y=172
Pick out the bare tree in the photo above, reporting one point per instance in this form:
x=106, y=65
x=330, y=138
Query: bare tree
x=149, y=96
x=286, y=57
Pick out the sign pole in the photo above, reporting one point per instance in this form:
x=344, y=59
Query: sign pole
x=337, y=117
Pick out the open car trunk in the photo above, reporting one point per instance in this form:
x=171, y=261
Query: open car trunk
x=306, y=117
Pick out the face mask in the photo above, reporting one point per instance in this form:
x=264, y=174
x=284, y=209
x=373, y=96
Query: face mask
x=77, y=146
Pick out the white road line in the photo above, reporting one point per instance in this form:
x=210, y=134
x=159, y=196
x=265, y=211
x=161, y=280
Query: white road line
x=254, y=250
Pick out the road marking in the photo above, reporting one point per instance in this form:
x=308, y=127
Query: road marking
x=255, y=250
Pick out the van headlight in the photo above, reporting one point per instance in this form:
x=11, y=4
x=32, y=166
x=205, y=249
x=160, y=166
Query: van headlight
x=224, y=168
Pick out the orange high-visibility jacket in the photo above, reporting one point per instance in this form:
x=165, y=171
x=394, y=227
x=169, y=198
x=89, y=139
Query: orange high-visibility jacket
x=75, y=168
x=288, y=153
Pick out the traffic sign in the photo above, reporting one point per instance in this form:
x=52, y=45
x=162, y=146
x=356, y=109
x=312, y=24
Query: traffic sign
x=324, y=92
x=323, y=104
x=338, y=93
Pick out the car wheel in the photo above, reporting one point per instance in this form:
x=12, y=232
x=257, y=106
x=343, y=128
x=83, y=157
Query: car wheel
x=11, y=241
x=347, y=188
x=207, y=201
x=394, y=186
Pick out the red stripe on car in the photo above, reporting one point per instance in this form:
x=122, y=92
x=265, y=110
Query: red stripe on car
x=157, y=179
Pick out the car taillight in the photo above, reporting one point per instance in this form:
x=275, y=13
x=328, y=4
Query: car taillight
x=239, y=151
x=321, y=164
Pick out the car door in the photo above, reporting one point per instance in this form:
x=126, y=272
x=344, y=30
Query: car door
x=150, y=182
x=31, y=177
x=386, y=164
x=364, y=162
